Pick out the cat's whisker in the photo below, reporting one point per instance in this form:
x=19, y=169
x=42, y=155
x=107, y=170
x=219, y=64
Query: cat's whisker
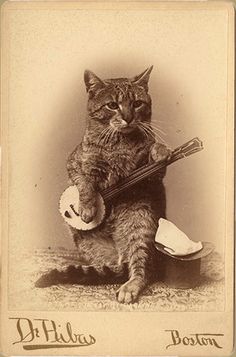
x=161, y=121
x=146, y=134
x=145, y=126
x=113, y=131
x=113, y=134
x=152, y=123
x=108, y=137
x=142, y=131
x=102, y=136
x=158, y=129
x=154, y=134
x=154, y=131
x=109, y=133
x=161, y=140
x=162, y=124
x=155, y=124
x=117, y=135
x=147, y=131
x=104, y=141
x=154, y=127
x=158, y=136
x=150, y=134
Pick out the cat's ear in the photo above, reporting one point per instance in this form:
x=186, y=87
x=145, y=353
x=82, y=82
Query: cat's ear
x=92, y=82
x=143, y=78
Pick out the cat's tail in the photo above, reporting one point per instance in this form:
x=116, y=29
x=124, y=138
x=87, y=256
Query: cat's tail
x=85, y=275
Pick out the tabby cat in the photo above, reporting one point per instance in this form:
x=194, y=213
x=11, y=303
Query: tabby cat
x=119, y=139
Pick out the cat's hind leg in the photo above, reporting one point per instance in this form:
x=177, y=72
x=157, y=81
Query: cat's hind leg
x=98, y=261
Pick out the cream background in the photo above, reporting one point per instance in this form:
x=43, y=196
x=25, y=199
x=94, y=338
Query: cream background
x=48, y=53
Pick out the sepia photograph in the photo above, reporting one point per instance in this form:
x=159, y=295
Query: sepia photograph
x=117, y=177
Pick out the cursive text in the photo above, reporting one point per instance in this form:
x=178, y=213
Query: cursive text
x=195, y=339
x=43, y=333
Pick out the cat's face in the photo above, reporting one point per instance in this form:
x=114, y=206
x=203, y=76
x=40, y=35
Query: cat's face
x=121, y=104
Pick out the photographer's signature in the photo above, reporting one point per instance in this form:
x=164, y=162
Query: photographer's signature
x=35, y=334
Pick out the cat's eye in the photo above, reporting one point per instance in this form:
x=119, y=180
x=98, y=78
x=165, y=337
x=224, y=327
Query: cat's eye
x=112, y=105
x=137, y=103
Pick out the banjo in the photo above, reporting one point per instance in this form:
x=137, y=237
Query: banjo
x=69, y=202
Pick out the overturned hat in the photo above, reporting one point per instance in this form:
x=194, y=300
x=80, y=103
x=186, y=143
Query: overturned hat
x=171, y=241
x=183, y=255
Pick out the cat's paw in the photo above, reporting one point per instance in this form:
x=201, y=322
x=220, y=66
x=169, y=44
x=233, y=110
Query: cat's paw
x=87, y=214
x=129, y=292
x=160, y=152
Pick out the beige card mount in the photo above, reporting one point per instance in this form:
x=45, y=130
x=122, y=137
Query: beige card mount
x=96, y=73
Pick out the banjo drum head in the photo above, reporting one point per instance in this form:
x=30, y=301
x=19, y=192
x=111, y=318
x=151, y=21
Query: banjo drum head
x=69, y=205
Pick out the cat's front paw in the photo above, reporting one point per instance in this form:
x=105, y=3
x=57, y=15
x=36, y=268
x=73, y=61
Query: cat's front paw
x=160, y=152
x=87, y=214
x=129, y=292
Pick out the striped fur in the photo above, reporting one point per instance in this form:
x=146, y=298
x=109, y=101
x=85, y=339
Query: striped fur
x=84, y=274
x=118, y=139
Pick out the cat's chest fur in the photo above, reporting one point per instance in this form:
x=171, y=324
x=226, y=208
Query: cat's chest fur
x=122, y=160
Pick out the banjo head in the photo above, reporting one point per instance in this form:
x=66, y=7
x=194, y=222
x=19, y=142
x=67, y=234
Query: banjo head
x=69, y=206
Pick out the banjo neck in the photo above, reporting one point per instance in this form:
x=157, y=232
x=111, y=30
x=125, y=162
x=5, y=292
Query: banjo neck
x=70, y=201
x=150, y=170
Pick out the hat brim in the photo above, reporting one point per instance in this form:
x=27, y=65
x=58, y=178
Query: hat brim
x=207, y=248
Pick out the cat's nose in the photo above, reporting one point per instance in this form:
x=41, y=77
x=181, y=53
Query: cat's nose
x=127, y=114
x=128, y=117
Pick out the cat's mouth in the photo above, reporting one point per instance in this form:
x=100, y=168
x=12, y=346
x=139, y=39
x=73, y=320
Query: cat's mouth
x=126, y=129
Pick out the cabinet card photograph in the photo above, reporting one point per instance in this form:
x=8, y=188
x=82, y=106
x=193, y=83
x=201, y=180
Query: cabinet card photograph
x=117, y=178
